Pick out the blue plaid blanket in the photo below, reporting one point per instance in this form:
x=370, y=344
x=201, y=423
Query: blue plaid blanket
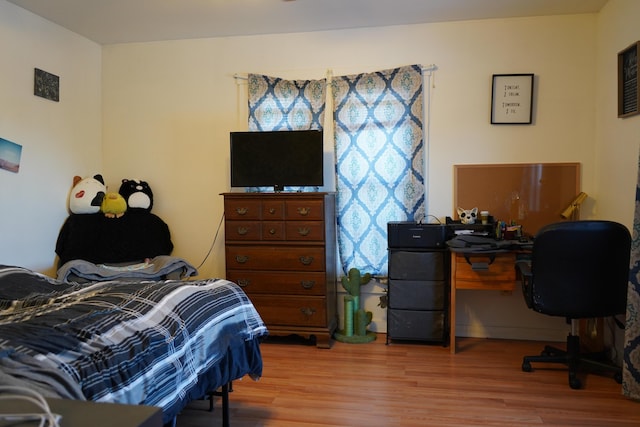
x=160, y=343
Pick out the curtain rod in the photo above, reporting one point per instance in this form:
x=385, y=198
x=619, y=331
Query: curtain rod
x=430, y=67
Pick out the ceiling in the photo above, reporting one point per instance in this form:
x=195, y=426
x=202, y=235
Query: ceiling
x=124, y=21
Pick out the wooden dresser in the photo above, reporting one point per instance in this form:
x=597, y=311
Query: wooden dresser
x=281, y=249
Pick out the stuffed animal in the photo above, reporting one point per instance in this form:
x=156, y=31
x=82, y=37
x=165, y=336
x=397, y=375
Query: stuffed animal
x=137, y=194
x=87, y=194
x=113, y=205
x=468, y=216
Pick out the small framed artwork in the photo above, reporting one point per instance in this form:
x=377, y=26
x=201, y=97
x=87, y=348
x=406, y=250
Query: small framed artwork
x=628, y=88
x=10, y=153
x=46, y=85
x=512, y=99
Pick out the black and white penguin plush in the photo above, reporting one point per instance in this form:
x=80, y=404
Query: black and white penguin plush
x=137, y=193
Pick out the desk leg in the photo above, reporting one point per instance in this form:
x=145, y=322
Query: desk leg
x=452, y=306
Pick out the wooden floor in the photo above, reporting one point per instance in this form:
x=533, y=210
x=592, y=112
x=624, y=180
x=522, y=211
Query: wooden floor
x=414, y=384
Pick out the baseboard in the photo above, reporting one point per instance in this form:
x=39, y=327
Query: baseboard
x=506, y=332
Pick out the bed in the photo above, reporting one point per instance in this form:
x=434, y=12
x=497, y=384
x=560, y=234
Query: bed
x=149, y=342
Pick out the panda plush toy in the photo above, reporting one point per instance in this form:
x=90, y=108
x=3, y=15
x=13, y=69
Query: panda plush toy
x=137, y=194
x=87, y=194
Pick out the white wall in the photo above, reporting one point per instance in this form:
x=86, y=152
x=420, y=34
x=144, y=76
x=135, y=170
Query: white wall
x=59, y=139
x=164, y=110
x=169, y=106
x=618, y=139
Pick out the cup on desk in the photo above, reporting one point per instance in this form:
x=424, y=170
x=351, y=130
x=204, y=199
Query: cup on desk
x=484, y=217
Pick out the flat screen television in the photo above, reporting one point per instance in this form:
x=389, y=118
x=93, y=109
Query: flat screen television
x=277, y=159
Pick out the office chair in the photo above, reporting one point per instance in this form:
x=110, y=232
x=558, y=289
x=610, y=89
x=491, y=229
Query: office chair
x=578, y=270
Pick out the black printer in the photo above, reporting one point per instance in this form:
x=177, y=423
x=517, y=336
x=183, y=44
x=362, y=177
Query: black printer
x=406, y=234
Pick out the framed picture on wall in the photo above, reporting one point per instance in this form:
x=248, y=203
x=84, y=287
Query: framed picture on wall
x=46, y=85
x=512, y=99
x=628, y=88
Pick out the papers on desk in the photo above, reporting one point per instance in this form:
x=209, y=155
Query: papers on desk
x=466, y=232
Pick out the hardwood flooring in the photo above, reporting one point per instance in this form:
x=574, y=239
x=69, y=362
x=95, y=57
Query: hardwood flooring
x=415, y=384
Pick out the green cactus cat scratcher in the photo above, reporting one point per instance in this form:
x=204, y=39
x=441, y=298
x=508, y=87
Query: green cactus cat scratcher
x=356, y=319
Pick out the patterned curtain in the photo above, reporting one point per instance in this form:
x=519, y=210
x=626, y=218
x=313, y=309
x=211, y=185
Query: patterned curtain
x=379, y=161
x=277, y=104
x=631, y=356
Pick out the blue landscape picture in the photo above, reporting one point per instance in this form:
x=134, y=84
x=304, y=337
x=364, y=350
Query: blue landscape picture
x=10, y=153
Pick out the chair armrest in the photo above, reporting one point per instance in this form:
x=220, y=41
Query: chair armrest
x=524, y=267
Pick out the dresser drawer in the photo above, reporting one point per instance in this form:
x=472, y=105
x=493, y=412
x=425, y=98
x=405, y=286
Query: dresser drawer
x=273, y=230
x=272, y=210
x=500, y=274
x=242, y=208
x=280, y=282
x=242, y=230
x=305, y=231
x=288, y=258
x=291, y=310
x=304, y=209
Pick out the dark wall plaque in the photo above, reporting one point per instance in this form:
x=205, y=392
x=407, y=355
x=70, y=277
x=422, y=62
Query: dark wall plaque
x=628, y=89
x=46, y=85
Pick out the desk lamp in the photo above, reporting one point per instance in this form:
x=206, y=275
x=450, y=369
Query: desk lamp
x=573, y=210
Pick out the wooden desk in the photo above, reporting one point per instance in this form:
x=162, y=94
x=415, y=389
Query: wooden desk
x=499, y=276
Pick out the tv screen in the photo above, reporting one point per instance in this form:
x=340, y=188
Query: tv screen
x=277, y=159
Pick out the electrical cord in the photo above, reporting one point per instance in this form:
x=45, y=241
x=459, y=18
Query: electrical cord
x=46, y=418
x=215, y=238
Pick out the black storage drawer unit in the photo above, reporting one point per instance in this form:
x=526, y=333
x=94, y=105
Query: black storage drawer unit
x=418, y=297
x=420, y=265
x=417, y=325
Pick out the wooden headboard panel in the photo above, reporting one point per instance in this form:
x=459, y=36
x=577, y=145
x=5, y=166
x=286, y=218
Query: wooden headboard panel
x=532, y=194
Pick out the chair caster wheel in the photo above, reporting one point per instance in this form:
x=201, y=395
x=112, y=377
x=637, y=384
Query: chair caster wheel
x=575, y=383
x=526, y=367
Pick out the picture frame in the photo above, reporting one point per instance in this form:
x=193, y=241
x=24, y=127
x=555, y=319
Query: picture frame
x=10, y=154
x=512, y=99
x=628, y=88
x=46, y=85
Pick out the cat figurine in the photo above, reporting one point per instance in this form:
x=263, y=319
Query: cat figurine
x=468, y=216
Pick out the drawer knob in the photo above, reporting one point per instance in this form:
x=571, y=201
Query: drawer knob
x=242, y=211
x=243, y=283
x=272, y=210
x=272, y=231
x=241, y=259
x=304, y=211
x=303, y=231
x=306, y=260
x=308, y=311
x=308, y=284
x=243, y=230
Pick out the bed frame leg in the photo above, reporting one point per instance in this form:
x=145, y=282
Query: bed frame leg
x=224, y=394
x=225, y=405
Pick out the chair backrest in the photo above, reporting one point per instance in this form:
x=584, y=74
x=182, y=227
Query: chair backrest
x=580, y=269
